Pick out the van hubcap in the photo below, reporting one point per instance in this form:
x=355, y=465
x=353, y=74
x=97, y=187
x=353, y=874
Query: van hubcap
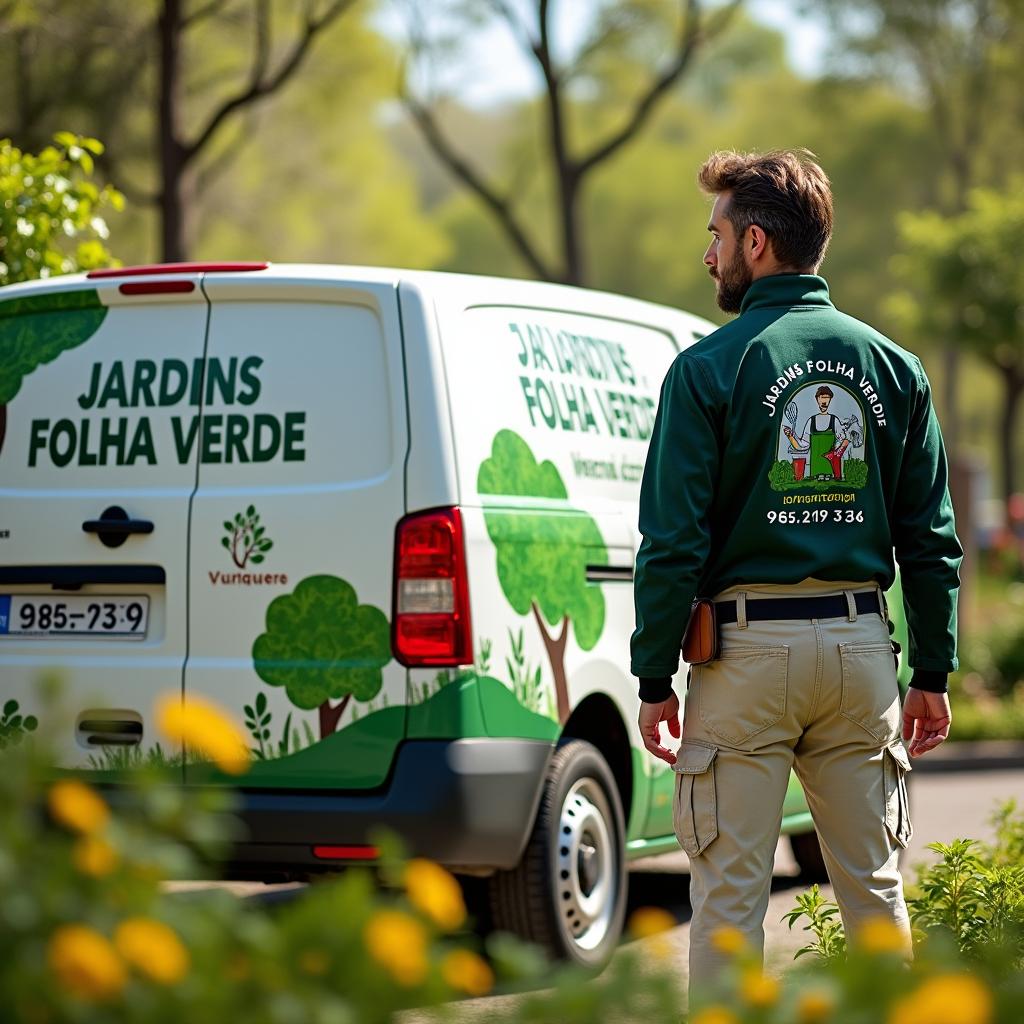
x=586, y=887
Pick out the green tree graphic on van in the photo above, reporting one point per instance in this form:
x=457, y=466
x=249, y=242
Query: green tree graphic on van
x=543, y=555
x=34, y=330
x=246, y=540
x=321, y=644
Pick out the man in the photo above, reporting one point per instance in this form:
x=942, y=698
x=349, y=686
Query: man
x=797, y=568
x=820, y=438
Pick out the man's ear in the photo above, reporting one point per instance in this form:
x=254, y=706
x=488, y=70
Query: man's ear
x=756, y=242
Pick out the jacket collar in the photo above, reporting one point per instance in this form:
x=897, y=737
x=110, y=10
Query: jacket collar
x=786, y=290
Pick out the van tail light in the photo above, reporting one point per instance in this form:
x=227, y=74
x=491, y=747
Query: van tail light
x=430, y=597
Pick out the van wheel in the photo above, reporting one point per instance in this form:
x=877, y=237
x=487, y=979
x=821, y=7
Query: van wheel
x=568, y=893
x=807, y=854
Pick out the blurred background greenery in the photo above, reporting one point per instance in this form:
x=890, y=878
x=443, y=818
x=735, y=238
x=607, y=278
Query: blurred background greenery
x=560, y=139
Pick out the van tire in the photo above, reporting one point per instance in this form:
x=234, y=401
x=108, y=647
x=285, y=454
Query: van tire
x=807, y=853
x=539, y=899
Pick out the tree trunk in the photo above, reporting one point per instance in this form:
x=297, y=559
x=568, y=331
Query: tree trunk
x=171, y=155
x=330, y=716
x=572, y=245
x=1013, y=391
x=555, y=647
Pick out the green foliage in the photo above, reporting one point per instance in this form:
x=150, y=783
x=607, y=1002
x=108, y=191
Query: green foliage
x=51, y=211
x=482, y=664
x=822, y=922
x=320, y=643
x=132, y=759
x=977, y=901
x=35, y=329
x=246, y=540
x=781, y=475
x=855, y=472
x=542, y=556
x=14, y=726
x=964, y=285
x=526, y=681
x=258, y=719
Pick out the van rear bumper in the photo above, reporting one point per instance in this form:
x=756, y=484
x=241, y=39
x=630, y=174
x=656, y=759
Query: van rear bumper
x=464, y=803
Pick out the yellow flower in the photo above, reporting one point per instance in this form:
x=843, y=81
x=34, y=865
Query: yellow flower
x=203, y=726
x=647, y=921
x=715, y=1015
x=464, y=970
x=153, y=949
x=94, y=856
x=435, y=892
x=85, y=963
x=814, y=1005
x=758, y=988
x=881, y=935
x=398, y=942
x=945, y=999
x=78, y=807
x=314, y=961
x=728, y=939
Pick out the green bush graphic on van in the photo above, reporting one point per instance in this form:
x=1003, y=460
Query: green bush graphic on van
x=246, y=540
x=35, y=329
x=322, y=645
x=543, y=555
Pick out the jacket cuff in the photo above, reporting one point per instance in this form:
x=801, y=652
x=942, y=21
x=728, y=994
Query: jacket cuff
x=656, y=691
x=933, y=682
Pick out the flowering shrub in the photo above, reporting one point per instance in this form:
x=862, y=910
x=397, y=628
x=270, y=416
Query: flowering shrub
x=89, y=934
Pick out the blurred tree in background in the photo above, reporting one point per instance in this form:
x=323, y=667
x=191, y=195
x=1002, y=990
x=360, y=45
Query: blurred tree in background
x=969, y=286
x=602, y=90
x=51, y=211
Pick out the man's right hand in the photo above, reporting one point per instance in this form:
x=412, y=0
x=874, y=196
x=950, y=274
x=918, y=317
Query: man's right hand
x=926, y=720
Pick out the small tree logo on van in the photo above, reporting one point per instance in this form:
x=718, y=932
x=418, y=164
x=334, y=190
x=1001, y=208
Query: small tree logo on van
x=246, y=540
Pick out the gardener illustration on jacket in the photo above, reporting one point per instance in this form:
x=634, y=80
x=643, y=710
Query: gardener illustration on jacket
x=825, y=440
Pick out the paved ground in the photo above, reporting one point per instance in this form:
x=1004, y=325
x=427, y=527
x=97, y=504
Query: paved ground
x=944, y=805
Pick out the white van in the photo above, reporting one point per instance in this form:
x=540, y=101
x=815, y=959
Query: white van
x=387, y=520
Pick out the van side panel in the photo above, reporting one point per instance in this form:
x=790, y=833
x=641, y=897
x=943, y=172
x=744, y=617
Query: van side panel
x=552, y=410
x=292, y=530
x=102, y=394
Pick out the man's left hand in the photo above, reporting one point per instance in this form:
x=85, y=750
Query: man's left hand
x=651, y=717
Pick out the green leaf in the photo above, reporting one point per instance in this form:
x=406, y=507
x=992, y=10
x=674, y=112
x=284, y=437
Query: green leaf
x=10, y=707
x=31, y=723
x=229, y=526
x=261, y=702
x=249, y=713
x=65, y=138
x=225, y=543
x=266, y=545
x=250, y=511
x=257, y=559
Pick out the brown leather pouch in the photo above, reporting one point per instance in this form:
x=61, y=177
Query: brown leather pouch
x=700, y=644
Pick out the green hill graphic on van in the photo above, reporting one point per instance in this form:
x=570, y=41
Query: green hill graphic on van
x=543, y=555
x=35, y=329
x=322, y=645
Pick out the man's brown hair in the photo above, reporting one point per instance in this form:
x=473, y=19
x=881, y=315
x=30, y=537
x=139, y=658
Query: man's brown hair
x=784, y=192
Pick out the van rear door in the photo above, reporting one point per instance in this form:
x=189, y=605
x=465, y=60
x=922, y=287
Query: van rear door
x=99, y=380
x=301, y=483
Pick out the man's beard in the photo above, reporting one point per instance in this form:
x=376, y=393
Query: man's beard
x=733, y=281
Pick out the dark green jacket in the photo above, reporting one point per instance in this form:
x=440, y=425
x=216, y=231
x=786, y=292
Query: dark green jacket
x=729, y=497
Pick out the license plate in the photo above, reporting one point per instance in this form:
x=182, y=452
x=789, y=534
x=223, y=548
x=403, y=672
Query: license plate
x=124, y=617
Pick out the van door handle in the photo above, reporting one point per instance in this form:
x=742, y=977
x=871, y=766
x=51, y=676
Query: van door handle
x=114, y=526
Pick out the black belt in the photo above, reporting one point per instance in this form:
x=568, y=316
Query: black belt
x=799, y=607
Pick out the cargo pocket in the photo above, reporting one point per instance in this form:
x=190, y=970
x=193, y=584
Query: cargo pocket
x=695, y=807
x=743, y=691
x=871, y=695
x=897, y=803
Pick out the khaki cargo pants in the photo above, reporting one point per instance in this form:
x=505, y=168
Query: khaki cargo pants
x=819, y=695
